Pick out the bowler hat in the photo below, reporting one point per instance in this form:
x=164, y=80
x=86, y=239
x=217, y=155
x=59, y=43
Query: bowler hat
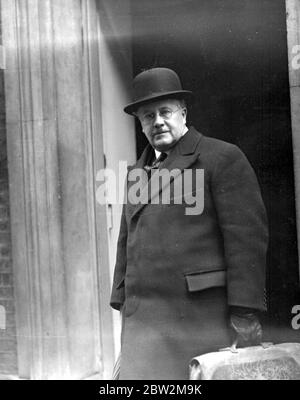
x=155, y=84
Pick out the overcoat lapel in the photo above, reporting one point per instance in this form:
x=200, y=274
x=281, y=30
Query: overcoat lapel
x=147, y=154
x=184, y=154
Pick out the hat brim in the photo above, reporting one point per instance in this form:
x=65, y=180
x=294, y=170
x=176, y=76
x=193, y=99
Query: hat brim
x=179, y=94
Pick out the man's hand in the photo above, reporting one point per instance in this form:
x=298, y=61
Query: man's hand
x=246, y=326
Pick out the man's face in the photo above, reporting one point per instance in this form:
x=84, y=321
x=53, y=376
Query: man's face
x=163, y=123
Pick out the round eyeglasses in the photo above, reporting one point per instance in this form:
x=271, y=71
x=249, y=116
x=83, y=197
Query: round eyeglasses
x=164, y=113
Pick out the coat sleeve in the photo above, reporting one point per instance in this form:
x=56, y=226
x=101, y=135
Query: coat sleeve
x=118, y=289
x=243, y=223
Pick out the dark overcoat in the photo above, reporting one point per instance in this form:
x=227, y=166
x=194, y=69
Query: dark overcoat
x=176, y=274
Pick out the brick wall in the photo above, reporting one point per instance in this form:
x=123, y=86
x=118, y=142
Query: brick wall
x=8, y=344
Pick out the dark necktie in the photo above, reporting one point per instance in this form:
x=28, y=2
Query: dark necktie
x=156, y=163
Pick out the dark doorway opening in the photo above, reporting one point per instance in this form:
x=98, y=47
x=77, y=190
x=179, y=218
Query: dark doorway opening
x=233, y=55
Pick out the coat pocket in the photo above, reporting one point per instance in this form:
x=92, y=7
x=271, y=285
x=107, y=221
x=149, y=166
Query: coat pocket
x=197, y=281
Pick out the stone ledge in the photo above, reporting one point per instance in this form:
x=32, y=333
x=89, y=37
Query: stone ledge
x=4, y=377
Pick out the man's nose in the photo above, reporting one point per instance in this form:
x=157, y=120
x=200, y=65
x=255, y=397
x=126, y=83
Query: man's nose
x=158, y=120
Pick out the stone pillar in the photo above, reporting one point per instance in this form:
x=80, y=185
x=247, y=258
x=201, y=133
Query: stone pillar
x=8, y=343
x=51, y=122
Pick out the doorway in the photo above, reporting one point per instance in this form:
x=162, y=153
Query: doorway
x=233, y=55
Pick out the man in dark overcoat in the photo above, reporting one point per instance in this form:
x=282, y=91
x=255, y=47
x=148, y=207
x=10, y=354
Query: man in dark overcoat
x=186, y=278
